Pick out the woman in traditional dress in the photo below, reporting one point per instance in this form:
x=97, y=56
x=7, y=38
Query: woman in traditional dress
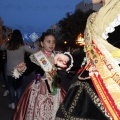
x=43, y=96
x=96, y=98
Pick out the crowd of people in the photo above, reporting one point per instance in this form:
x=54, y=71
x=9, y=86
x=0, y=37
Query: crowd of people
x=91, y=93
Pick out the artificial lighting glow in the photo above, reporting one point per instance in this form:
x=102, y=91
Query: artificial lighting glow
x=65, y=42
x=80, y=40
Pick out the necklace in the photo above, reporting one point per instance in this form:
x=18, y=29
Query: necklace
x=47, y=53
x=49, y=56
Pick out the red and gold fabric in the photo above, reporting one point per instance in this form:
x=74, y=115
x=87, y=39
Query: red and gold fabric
x=104, y=71
x=106, y=80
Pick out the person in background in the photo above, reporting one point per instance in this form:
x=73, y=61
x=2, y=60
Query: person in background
x=15, y=50
x=2, y=68
x=45, y=93
x=4, y=55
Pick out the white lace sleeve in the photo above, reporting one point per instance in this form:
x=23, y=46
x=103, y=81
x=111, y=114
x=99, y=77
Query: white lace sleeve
x=71, y=60
x=17, y=74
x=111, y=27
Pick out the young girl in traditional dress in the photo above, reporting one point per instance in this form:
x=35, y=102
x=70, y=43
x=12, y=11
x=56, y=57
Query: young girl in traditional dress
x=42, y=98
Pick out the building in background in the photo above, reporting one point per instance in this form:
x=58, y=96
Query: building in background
x=55, y=30
x=85, y=6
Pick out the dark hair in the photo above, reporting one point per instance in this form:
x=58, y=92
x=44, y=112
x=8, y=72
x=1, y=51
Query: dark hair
x=16, y=40
x=44, y=34
x=9, y=35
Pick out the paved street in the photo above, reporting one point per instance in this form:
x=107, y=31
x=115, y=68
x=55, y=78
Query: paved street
x=5, y=112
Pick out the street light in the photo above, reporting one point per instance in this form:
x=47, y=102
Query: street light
x=65, y=42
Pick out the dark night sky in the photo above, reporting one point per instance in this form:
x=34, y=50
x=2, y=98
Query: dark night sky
x=34, y=15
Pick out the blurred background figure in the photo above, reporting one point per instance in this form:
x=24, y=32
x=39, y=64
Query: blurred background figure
x=15, y=50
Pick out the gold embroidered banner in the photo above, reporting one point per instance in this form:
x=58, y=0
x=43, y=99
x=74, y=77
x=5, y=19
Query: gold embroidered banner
x=106, y=80
x=45, y=64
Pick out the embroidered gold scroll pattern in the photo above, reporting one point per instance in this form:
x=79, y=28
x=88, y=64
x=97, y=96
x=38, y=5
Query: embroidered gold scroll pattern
x=96, y=100
x=73, y=104
x=91, y=93
x=107, y=76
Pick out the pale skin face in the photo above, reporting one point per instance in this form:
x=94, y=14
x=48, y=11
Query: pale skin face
x=98, y=1
x=49, y=43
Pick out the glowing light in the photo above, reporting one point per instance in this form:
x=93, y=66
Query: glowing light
x=80, y=40
x=65, y=42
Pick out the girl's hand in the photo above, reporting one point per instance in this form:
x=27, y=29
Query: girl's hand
x=21, y=67
x=61, y=60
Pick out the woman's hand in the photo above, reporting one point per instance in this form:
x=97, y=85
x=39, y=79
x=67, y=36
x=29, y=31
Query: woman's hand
x=20, y=67
x=61, y=60
x=83, y=78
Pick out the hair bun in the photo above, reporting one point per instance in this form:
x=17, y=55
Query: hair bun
x=44, y=33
